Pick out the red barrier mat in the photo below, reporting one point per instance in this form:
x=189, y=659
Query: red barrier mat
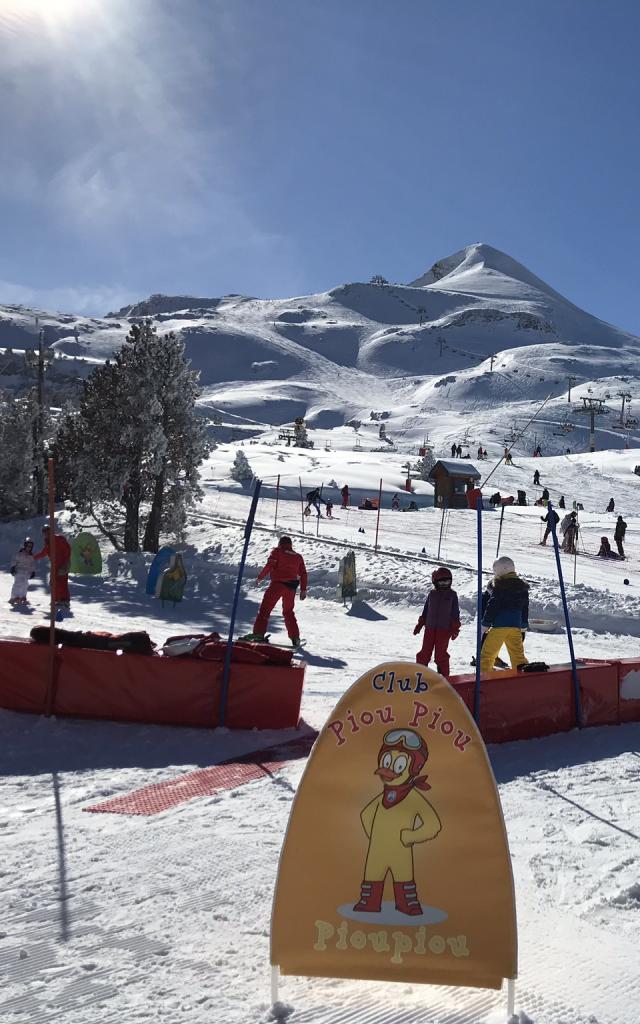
x=162, y=796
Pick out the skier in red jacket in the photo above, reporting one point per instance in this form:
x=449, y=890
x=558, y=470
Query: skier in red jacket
x=286, y=569
x=62, y=548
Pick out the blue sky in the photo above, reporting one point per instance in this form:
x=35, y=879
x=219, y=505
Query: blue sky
x=280, y=147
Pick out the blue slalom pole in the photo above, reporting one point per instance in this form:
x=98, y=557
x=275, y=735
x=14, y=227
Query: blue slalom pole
x=567, y=621
x=236, y=598
x=476, y=697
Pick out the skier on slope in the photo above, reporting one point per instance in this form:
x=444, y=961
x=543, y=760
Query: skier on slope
x=286, y=569
x=62, y=552
x=569, y=528
x=345, y=496
x=536, y=478
x=611, y=506
x=313, y=498
x=550, y=516
x=23, y=569
x=619, y=534
x=440, y=620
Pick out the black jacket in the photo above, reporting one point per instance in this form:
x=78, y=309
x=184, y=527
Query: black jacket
x=505, y=602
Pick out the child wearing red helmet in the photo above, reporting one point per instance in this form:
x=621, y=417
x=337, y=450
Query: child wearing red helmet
x=440, y=619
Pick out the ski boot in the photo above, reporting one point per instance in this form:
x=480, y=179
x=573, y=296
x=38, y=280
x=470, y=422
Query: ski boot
x=370, y=901
x=406, y=898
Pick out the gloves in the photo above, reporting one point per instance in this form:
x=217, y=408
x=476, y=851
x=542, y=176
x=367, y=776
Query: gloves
x=303, y=595
x=455, y=629
x=32, y=576
x=418, y=626
x=12, y=571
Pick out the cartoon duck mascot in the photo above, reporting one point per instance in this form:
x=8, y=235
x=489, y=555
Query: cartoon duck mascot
x=395, y=821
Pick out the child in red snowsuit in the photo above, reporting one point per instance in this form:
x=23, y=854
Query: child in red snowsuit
x=286, y=569
x=441, y=620
x=62, y=549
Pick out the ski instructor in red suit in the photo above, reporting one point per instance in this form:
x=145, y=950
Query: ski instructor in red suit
x=59, y=585
x=286, y=569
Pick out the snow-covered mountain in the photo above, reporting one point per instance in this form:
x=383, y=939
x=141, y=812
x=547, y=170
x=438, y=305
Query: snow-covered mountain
x=477, y=334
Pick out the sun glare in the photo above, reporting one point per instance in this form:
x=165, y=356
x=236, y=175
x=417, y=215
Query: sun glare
x=53, y=12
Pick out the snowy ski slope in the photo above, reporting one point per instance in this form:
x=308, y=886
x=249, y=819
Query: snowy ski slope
x=106, y=918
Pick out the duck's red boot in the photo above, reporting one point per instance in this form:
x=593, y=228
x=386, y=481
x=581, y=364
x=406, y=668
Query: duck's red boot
x=370, y=901
x=406, y=897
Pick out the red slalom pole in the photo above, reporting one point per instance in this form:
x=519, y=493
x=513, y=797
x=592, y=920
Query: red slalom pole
x=375, y=547
x=50, y=694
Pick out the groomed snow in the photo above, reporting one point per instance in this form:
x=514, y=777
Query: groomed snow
x=108, y=918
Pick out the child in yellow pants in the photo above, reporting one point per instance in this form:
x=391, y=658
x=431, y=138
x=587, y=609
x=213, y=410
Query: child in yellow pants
x=505, y=612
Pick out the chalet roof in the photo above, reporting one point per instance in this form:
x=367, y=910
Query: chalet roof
x=457, y=467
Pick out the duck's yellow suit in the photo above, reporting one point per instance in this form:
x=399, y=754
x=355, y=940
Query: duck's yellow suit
x=392, y=832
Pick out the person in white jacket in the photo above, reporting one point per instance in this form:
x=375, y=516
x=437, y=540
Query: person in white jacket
x=23, y=569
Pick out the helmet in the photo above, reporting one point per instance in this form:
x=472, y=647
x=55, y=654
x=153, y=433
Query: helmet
x=441, y=575
x=27, y=540
x=503, y=565
x=411, y=742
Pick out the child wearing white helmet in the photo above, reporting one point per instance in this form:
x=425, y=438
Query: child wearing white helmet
x=505, y=612
x=22, y=569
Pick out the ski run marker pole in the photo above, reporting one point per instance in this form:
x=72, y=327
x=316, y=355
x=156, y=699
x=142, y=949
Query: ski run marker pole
x=500, y=532
x=301, y=503
x=565, y=608
x=275, y=517
x=234, y=608
x=476, y=696
x=51, y=683
x=375, y=546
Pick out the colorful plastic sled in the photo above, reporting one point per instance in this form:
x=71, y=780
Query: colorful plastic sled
x=157, y=567
x=86, y=557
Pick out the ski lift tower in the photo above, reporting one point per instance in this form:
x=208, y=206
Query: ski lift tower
x=592, y=407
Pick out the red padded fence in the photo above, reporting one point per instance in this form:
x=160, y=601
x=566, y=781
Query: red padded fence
x=186, y=691
x=148, y=688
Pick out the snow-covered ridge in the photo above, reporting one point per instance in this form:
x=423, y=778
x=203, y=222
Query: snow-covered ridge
x=496, y=334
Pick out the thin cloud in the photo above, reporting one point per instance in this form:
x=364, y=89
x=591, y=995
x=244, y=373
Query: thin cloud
x=67, y=299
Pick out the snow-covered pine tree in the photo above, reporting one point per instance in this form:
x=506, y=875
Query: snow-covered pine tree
x=241, y=471
x=135, y=444
x=426, y=464
x=17, y=464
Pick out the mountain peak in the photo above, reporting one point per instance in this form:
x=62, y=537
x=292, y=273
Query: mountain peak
x=480, y=258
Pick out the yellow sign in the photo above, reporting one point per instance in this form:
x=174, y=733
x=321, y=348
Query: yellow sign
x=395, y=864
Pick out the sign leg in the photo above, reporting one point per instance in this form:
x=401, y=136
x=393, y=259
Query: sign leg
x=274, y=983
x=511, y=996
